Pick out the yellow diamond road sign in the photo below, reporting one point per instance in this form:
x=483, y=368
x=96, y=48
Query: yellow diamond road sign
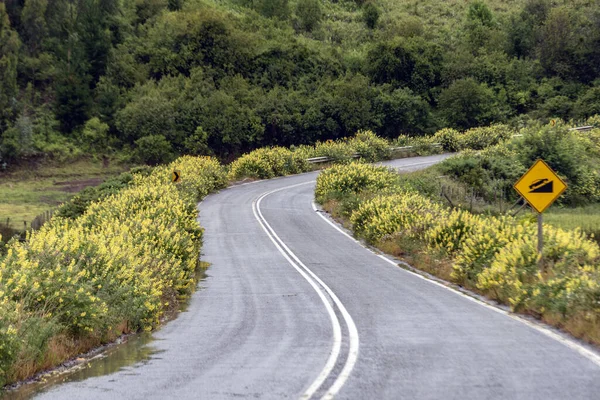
x=540, y=186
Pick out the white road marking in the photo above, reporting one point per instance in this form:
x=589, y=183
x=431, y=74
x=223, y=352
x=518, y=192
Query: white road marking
x=352, y=330
x=573, y=345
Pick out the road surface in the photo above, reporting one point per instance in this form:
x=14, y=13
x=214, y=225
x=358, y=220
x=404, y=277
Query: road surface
x=293, y=308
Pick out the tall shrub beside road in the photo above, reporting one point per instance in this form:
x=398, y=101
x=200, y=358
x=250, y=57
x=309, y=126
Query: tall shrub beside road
x=494, y=255
x=119, y=267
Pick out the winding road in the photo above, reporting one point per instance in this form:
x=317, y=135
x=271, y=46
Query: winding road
x=295, y=308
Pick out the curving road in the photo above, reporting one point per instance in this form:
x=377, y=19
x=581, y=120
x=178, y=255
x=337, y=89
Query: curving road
x=293, y=308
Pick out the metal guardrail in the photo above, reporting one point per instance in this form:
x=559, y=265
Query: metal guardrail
x=582, y=128
x=324, y=159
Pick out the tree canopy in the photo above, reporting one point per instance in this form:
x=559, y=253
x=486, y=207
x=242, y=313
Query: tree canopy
x=224, y=77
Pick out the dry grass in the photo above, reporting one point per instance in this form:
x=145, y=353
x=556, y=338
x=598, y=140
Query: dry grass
x=62, y=348
x=26, y=193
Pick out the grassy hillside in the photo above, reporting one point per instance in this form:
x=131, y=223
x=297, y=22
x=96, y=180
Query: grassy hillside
x=152, y=79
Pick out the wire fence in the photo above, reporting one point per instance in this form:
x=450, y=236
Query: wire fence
x=23, y=225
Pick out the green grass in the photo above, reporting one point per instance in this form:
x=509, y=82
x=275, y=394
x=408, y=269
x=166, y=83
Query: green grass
x=587, y=218
x=26, y=193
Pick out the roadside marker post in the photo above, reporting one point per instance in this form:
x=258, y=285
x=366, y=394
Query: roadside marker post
x=540, y=187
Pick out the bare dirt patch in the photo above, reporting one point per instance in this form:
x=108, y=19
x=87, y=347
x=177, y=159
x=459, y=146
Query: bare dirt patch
x=75, y=186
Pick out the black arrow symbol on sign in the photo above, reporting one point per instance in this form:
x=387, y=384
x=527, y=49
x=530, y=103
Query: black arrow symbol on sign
x=175, y=176
x=542, y=186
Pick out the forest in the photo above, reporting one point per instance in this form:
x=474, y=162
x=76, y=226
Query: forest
x=148, y=80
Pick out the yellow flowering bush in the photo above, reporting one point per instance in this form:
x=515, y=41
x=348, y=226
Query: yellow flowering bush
x=338, y=151
x=9, y=337
x=370, y=146
x=517, y=277
x=353, y=178
x=123, y=261
x=486, y=238
x=405, y=213
x=267, y=163
x=448, y=138
x=497, y=255
x=483, y=137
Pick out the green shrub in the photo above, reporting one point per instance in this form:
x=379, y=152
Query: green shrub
x=565, y=152
x=449, y=139
x=404, y=213
x=483, y=137
x=152, y=150
x=343, y=180
x=370, y=147
x=267, y=163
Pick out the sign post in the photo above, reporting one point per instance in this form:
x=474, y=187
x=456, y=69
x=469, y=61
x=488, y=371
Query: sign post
x=540, y=186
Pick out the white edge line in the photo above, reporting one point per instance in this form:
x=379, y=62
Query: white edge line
x=587, y=353
x=337, y=331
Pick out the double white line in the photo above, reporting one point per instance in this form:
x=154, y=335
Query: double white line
x=323, y=291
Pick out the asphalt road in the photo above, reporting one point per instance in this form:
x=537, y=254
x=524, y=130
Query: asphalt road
x=293, y=308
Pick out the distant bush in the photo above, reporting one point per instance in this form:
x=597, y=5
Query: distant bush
x=267, y=163
x=153, y=150
x=483, y=137
x=449, y=139
x=341, y=180
x=370, y=147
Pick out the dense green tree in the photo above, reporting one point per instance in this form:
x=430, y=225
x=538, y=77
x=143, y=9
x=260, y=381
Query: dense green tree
x=589, y=103
x=150, y=113
x=370, y=15
x=479, y=13
x=408, y=62
x=153, y=150
x=401, y=111
x=94, y=136
x=9, y=47
x=148, y=9
x=226, y=78
x=467, y=103
x=523, y=29
x=557, y=43
x=73, y=99
x=174, y=5
x=232, y=128
x=35, y=29
x=309, y=13
x=480, y=26
x=272, y=8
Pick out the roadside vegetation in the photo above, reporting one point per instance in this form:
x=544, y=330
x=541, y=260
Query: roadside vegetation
x=117, y=267
x=481, y=246
x=118, y=256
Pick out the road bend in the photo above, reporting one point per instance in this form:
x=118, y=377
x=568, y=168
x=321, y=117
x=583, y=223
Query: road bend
x=295, y=308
